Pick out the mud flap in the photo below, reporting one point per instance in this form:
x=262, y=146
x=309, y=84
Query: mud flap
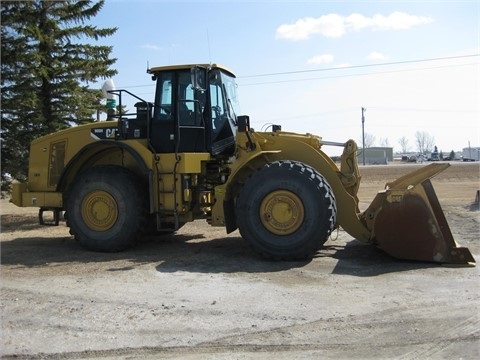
x=409, y=222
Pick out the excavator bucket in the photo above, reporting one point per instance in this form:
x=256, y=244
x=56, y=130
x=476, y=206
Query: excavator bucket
x=407, y=220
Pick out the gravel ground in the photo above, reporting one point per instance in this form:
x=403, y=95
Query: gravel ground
x=203, y=294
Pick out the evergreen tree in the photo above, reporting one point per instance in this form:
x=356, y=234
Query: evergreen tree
x=48, y=61
x=452, y=155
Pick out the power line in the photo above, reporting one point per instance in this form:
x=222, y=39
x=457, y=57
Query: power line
x=358, y=66
x=351, y=75
x=463, y=111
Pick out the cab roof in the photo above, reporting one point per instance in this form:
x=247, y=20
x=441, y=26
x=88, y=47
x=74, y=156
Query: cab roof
x=189, y=66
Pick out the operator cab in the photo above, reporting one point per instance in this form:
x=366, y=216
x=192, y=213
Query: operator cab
x=194, y=110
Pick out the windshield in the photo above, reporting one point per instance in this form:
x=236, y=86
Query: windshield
x=223, y=98
x=231, y=93
x=229, y=89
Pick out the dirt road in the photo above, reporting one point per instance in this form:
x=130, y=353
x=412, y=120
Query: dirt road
x=202, y=294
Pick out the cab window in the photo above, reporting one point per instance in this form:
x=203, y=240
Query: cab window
x=163, y=101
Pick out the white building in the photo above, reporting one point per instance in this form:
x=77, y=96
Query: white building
x=376, y=155
x=471, y=154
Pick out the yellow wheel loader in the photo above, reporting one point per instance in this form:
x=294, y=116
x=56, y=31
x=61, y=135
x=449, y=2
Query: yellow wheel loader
x=188, y=155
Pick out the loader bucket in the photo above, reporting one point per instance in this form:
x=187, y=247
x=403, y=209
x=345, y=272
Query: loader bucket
x=408, y=221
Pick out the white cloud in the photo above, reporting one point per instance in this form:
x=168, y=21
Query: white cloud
x=150, y=47
x=334, y=25
x=321, y=59
x=331, y=25
x=398, y=21
x=376, y=56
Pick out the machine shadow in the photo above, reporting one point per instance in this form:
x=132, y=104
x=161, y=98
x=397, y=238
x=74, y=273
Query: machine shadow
x=358, y=259
x=190, y=252
x=222, y=255
x=168, y=253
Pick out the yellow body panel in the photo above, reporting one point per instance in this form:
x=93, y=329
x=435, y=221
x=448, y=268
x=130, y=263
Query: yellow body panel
x=187, y=162
x=42, y=158
x=17, y=192
x=43, y=199
x=23, y=198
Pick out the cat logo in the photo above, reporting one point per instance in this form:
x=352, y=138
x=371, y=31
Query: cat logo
x=104, y=133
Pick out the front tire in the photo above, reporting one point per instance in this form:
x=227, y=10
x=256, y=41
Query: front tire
x=286, y=210
x=106, y=209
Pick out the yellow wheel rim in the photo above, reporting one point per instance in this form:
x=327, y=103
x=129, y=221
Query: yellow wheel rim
x=282, y=212
x=99, y=210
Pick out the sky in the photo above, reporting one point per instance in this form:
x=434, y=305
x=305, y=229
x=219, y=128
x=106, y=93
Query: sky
x=311, y=66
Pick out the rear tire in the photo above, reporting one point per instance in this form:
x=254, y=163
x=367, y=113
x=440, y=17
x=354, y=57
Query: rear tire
x=286, y=210
x=106, y=209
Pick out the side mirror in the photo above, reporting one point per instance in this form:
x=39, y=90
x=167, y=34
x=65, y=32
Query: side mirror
x=199, y=77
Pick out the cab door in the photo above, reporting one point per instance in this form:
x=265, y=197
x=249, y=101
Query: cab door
x=178, y=123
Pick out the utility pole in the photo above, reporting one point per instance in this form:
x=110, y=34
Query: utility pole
x=363, y=134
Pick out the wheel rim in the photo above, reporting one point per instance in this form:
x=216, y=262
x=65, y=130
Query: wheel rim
x=99, y=210
x=282, y=212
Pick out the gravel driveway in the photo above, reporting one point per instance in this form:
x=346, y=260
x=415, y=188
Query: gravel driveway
x=203, y=294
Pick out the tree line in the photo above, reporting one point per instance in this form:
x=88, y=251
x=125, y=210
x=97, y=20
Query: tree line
x=424, y=143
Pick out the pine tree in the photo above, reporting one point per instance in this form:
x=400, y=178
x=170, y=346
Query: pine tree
x=49, y=60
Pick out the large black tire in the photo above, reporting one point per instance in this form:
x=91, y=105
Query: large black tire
x=286, y=210
x=106, y=209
